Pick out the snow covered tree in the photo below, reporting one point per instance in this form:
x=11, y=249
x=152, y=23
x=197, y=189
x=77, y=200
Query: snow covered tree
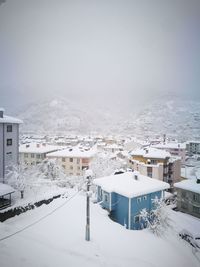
x=103, y=165
x=51, y=170
x=16, y=177
x=157, y=220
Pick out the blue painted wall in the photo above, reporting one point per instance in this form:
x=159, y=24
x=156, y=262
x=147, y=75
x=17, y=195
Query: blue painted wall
x=119, y=211
x=137, y=206
x=120, y=206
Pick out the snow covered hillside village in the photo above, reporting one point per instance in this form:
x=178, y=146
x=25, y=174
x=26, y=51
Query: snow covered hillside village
x=99, y=133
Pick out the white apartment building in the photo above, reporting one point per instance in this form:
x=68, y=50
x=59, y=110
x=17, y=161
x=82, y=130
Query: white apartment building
x=34, y=153
x=74, y=160
x=156, y=163
x=9, y=142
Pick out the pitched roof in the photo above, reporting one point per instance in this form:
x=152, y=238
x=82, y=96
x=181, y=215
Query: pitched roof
x=5, y=189
x=190, y=185
x=125, y=184
x=75, y=152
x=8, y=119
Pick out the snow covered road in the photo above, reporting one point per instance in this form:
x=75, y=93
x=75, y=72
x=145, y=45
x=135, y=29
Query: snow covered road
x=59, y=240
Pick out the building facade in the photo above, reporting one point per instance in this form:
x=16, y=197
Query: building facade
x=34, y=153
x=193, y=147
x=157, y=164
x=9, y=142
x=175, y=149
x=188, y=196
x=73, y=160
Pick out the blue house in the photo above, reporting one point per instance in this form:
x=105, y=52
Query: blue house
x=125, y=195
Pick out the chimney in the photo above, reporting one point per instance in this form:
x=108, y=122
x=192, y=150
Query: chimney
x=44, y=144
x=1, y=112
x=135, y=175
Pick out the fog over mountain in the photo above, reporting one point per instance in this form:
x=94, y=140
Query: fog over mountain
x=98, y=51
x=177, y=118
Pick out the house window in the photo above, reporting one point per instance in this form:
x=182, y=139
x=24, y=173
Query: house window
x=9, y=142
x=78, y=161
x=63, y=159
x=145, y=198
x=70, y=159
x=9, y=156
x=153, y=161
x=26, y=155
x=136, y=219
x=196, y=198
x=78, y=168
x=196, y=209
x=149, y=172
x=63, y=166
x=32, y=155
x=139, y=200
x=9, y=128
x=85, y=161
x=183, y=194
x=38, y=156
x=71, y=167
x=105, y=197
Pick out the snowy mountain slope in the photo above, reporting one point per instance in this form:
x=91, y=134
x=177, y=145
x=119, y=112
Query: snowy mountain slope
x=178, y=118
x=61, y=116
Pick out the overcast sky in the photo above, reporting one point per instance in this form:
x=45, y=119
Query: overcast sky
x=89, y=49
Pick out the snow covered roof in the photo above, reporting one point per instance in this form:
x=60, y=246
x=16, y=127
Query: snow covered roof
x=151, y=153
x=75, y=152
x=8, y=119
x=38, y=148
x=171, y=146
x=5, y=189
x=193, y=141
x=125, y=184
x=190, y=185
x=113, y=146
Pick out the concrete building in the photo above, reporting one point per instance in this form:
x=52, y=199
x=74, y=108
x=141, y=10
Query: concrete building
x=188, y=196
x=74, y=160
x=34, y=153
x=193, y=147
x=175, y=149
x=157, y=164
x=9, y=142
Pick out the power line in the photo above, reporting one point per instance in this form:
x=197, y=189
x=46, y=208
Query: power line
x=39, y=220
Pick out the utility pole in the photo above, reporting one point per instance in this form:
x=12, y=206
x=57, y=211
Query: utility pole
x=88, y=176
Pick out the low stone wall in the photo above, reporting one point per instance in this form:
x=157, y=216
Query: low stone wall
x=4, y=215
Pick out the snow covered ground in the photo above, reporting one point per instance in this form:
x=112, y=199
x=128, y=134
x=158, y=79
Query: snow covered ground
x=59, y=239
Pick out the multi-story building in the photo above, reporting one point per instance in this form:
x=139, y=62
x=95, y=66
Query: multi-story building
x=193, y=147
x=157, y=164
x=175, y=149
x=74, y=160
x=188, y=196
x=9, y=142
x=34, y=153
